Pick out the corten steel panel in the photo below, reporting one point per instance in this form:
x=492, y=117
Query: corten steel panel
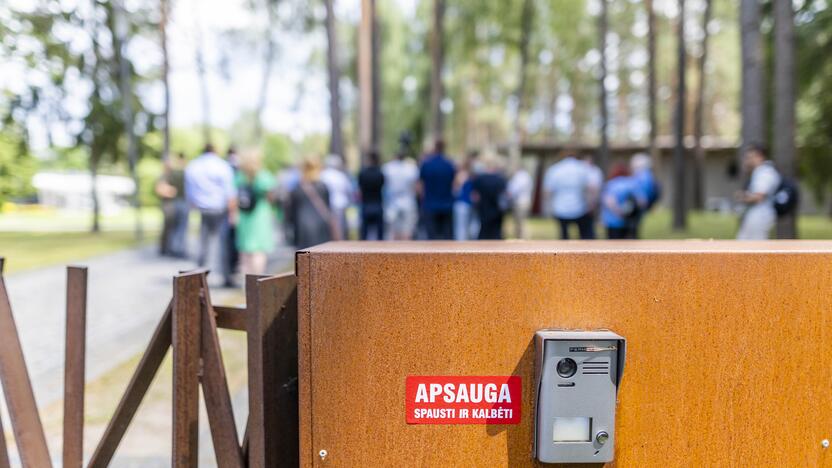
x=729, y=359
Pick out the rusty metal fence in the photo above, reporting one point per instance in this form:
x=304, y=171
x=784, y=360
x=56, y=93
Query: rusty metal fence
x=189, y=327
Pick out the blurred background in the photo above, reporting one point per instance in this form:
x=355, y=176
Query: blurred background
x=105, y=90
x=104, y=103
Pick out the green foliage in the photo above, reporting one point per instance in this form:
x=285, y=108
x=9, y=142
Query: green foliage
x=67, y=159
x=277, y=152
x=404, y=78
x=814, y=111
x=16, y=169
x=149, y=171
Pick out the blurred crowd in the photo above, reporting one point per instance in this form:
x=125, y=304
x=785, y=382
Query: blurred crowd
x=246, y=211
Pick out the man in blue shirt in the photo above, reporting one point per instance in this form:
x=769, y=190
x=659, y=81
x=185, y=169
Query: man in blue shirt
x=647, y=186
x=437, y=178
x=209, y=187
x=619, y=203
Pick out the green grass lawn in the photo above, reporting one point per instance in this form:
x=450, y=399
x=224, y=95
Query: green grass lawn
x=701, y=225
x=39, y=238
x=27, y=250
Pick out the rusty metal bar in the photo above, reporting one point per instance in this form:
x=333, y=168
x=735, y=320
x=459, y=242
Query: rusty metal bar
x=256, y=449
x=20, y=399
x=4, y=452
x=273, y=371
x=136, y=389
x=231, y=318
x=245, y=440
x=74, y=366
x=217, y=398
x=186, y=369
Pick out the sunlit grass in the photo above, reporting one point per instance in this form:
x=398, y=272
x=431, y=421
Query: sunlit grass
x=701, y=225
x=27, y=250
x=43, y=237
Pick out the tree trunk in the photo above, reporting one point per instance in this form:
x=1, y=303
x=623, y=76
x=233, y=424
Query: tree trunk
x=603, y=151
x=336, y=140
x=164, y=7
x=437, y=53
x=376, y=74
x=578, y=113
x=698, y=119
x=679, y=193
x=753, y=98
x=526, y=20
x=651, y=82
x=126, y=85
x=203, y=84
x=784, y=104
x=365, y=77
x=268, y=60
x=96, y=209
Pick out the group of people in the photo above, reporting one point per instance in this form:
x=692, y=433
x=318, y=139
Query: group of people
x=403, y=199
x=575, y=193
x=234, y=197
x=433, y=199
x=240, y=202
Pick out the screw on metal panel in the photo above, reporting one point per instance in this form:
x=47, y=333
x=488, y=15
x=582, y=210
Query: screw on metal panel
x=322, y=454
x=602, y=437
x=824, y=443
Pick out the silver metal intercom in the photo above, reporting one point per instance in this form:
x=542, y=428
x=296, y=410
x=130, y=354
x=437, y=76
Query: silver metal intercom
x=578, y=373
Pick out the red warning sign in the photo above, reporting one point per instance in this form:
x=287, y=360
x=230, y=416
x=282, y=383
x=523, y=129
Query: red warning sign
x=463, y=399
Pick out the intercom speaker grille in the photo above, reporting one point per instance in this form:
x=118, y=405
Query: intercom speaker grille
x=595, y=368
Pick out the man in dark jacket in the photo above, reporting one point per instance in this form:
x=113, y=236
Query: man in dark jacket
x=371, y=184
x=437, y=177
x=488, y=191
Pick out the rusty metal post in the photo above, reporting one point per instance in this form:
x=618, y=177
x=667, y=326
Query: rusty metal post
x=4, y=452
x=186, y=369
x=74, y=366
x=273, y=371
x=14, y=377
x=254, y=441
x=215, y=390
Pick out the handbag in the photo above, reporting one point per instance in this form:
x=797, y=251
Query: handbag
x=322, y=210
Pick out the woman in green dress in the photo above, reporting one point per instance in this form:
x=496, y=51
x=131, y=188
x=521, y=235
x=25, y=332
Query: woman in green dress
x=255, y=225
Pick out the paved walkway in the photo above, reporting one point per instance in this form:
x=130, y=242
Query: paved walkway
x=127, y=295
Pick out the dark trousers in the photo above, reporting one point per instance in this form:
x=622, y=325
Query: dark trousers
x=233, y=255
x=372, y=221
x=619, y=233
x=439, y=225
x=586, y=226
x=635, y=224
x=492, y=229
x=175, y=228
x=169, y=213
x=213, y=237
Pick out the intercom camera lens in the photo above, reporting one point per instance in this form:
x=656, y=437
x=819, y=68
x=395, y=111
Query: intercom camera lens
x=567, y=368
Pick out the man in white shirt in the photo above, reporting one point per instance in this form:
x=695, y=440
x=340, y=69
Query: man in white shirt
x=401, y=211
x=209, y=187
x=568, y=189
x=341, y=191
x=596, y=181
x=519, y=191
x=760, y=216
